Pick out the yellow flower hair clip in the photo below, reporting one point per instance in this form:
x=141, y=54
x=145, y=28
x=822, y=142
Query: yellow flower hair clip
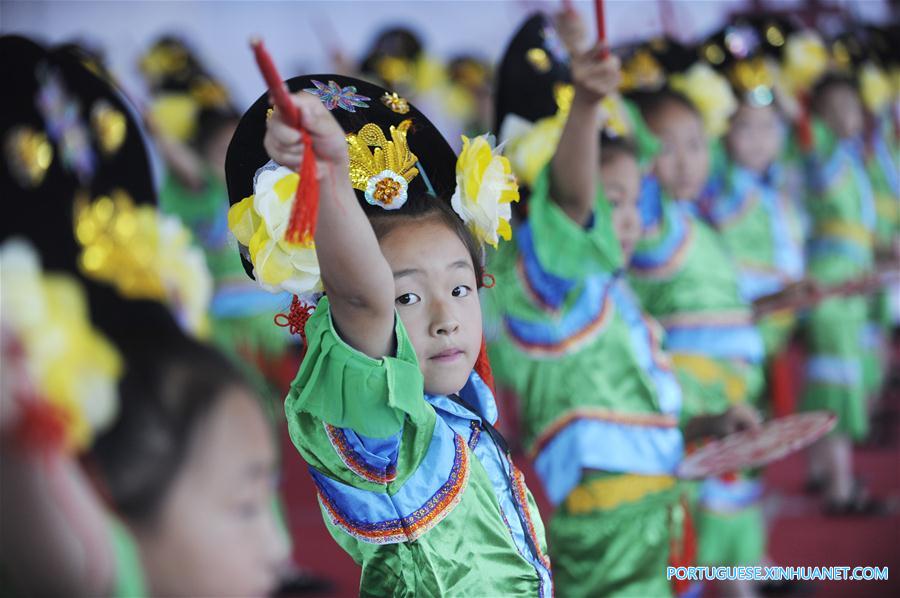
x=485, y=188
x=805, y=60
x=73, y=367
x=710, y=93
x=875, y=88
x=530, y=146
x=144, y=254
x=756, y=79
x=259, y=222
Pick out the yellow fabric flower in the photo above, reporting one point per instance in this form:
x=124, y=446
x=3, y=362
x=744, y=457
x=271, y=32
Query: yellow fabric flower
x=260, y=221
x=710, y=93
x=185, y=276
x=805, y=60
x=485, y=187
x=72, y=365
x=875, y=88
x=176, y=115
x=530, y=146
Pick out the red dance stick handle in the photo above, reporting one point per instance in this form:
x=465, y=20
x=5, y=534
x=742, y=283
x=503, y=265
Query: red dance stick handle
x=601, y=26
x=274, y=82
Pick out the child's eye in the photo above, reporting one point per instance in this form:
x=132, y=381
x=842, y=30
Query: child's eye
x=408, y=299
x=461, y=291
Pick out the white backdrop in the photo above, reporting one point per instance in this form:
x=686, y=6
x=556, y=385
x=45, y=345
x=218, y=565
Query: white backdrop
x=298, y=33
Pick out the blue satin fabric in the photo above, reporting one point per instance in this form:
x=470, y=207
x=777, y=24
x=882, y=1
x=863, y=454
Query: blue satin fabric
x=741, y=342
x=246, y=299
x=727, y=497
x=668, y=389
x=552, y=290
x=608, y=446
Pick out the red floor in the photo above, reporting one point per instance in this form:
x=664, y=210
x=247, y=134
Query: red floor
x=799, y=534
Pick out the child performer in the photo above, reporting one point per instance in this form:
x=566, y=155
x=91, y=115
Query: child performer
x=755, y=209
x=95, y=367
x=600, y=405
x=392, y=405
x=842, y=212
x=686, y=279
x=192, y=121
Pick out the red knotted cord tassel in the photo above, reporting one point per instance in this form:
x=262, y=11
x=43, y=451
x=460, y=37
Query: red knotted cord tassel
x=305, y=210
x=296, y=318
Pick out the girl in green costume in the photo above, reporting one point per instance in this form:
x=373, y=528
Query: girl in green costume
x=686, y=279
x=755, y=206
x=600, y=406
x=842, y=210
x=392, y=406
x=176, y=442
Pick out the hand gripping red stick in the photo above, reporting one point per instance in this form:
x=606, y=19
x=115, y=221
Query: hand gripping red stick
x=305, y=210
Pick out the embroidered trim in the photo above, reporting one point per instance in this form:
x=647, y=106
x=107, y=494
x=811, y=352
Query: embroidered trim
x=413, y=526
x=521, y=496
x=551, y=349
x=652, y=266
x=354, y=462
x=531, y=290
x=476, y=433
x=655, y=420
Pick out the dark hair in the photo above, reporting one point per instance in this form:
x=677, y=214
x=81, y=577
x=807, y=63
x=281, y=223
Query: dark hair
x=210, y=123
x=826, y=84
x=422, y=207
x=651, y=102
x=167, y=390
x=611, y=147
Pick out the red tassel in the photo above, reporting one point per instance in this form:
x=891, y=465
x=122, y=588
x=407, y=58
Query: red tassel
x=683, y=553
x=305, y=210
x=483, y=367
x=42, y=426
x=295, y=320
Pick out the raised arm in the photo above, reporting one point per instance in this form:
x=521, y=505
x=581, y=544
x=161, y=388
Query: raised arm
x=357, y=278
x=573, y=180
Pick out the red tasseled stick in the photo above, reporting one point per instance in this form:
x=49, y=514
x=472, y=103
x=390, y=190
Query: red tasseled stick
x=804, y=125
x=601, y=27
x=685, y=554
x=305, y=210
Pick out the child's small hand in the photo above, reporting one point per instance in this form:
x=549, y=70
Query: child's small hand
x=595, y=77
x=738, y=418
x=283, y=144
x=572, y=30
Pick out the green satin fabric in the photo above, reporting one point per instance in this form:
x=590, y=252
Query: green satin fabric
x=618, y=552
x=468, y=553
x=604, y=372
x=129, y=582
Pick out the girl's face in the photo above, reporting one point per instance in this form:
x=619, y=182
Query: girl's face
x=755, y=137
x=682, y=165
x=437, y=300
x=216, y=533
x=621, y=178
x=839, y=106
